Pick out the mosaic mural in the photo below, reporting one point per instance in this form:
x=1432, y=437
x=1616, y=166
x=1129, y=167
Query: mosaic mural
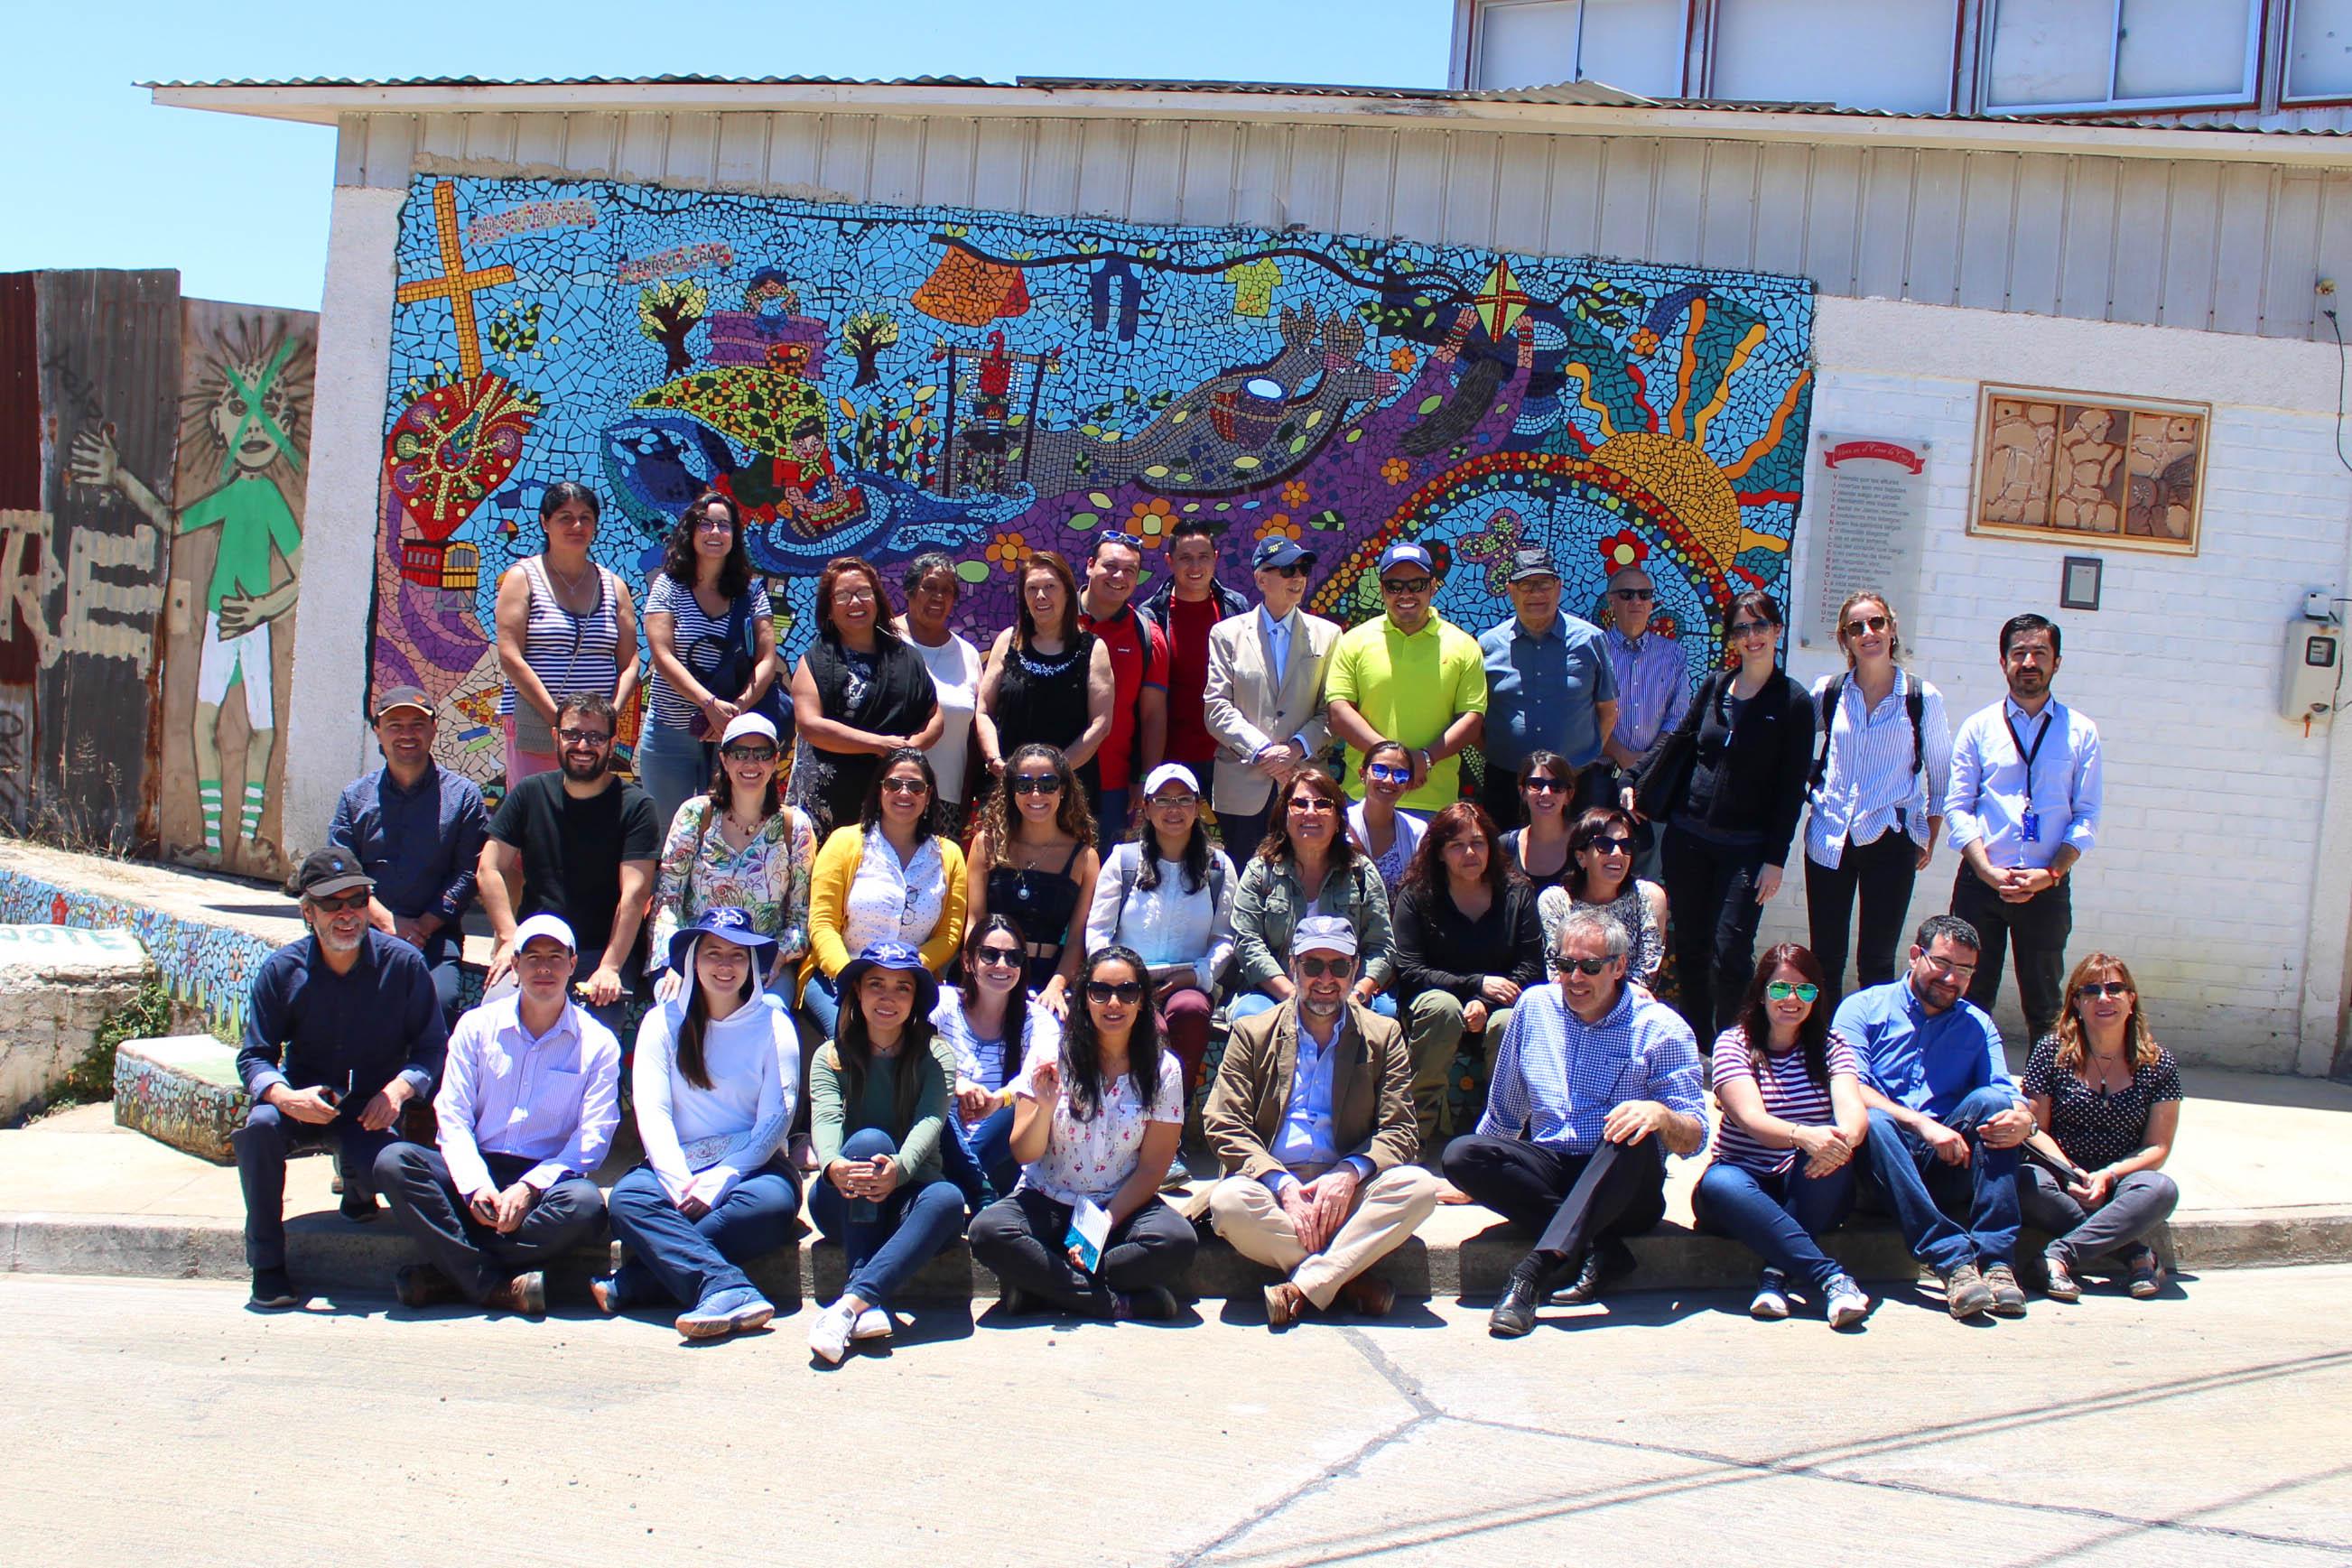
x=885, y=382
x=208, y=967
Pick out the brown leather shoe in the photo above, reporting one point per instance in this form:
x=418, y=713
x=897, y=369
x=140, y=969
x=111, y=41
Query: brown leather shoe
x=1285, y=1304
x=525, y=1293
x=1367, y=1296
x=422, y=1285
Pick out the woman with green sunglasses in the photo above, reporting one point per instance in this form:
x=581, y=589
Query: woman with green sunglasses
x=1790, y=1092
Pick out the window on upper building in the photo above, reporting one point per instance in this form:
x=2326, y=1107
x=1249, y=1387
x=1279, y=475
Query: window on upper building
x=1858, y=54
x=2320, y=50
x=2052, y=55
x=1636, y=45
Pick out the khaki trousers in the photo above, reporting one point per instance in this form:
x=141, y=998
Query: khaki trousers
x=1389, y=1209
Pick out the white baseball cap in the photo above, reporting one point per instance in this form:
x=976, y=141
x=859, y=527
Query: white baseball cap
x=545, y=925
x=744, y=724
x=1168, y=772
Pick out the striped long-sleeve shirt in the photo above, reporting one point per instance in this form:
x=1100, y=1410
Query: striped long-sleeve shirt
x=1654, y=686
x=1868, y=778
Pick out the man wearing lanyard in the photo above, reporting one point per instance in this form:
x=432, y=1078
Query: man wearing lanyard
x=2024, y=806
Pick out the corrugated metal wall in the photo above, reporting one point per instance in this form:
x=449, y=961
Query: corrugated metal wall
x=2232, y=247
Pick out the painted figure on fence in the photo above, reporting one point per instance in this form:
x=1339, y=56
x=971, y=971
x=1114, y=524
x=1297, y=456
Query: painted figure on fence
x=902, y=380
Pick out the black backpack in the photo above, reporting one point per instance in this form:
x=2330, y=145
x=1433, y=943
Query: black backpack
x=1915, y=703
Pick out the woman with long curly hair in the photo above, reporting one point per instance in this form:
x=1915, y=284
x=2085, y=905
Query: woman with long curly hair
x=1790, y=1091
x=1600, y=872
x=1034, y=860
x=2108, y=1096
x=712, y=635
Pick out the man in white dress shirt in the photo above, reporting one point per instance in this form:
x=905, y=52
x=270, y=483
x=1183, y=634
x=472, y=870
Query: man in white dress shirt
x=1265, y=704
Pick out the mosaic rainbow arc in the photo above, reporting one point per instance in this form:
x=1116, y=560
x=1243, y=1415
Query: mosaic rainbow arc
x=884, y=381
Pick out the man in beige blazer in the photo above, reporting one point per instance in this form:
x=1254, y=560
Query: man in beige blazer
x=1265, y=702
x=1312, y=1117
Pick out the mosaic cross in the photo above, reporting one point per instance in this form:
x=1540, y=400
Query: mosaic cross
x=457, y=284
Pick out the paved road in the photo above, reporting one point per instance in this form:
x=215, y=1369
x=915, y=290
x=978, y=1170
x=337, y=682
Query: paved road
x=162, y=1423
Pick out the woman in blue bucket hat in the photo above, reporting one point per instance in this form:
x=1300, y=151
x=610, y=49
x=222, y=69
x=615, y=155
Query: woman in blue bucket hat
x=716, y=1070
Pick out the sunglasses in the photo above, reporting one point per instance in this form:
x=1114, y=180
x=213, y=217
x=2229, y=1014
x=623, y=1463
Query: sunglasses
x=1316, y=968
x=2099, y=988
x=1404, y=585
x=1388, y=774
x=597, y=738
x=747, y=753
x=997, y=958
x=342, y=904
x=1632, y=595
x=1295, y=569
x=1580, y=965
x=905, y=786
x=713, y=526
x=1128, y=991
x=1862, y=623
x=1782, y=990
x=1037, y=784
x=1610, y=844
x=1751, y=628
x=1544, y=785
x=1312, y=805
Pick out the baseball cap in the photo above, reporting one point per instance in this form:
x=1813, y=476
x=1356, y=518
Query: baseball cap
x=400, y=697
x=1278, y=551
x=1532, y=563
x=744, y=724
x=1323, y=934
x=328, y=872
x=1169, y=772
x=1404, y=552
x=544, y=925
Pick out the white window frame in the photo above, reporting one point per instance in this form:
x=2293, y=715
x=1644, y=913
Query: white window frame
x=2288, y=97
x=2246, y=95
x=1951, y=72
x=1472, y=40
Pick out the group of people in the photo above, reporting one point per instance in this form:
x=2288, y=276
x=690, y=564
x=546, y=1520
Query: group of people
x=929, y=942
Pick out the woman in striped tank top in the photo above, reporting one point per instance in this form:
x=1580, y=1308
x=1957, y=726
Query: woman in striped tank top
x=565, y=626
x=1790, y=1094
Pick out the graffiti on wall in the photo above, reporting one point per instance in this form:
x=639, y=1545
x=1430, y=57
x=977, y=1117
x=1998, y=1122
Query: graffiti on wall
x=885, y=382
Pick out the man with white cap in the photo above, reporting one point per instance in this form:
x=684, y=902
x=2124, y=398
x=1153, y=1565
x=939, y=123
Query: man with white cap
x=1264, y=707
x=1411, y=676
x=1312, y=1116
x=529, y=1096
x=417, y=829
x=342, y=1030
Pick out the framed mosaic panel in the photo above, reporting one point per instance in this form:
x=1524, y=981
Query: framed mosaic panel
x=2066, y=467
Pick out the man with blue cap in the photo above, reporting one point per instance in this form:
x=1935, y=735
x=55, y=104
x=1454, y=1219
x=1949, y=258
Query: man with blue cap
x=529, y=1096
x=1264, y=707
x=1411, y=676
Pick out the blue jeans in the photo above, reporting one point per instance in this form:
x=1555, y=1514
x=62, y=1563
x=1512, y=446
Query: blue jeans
x=821, y=1000
x=1919, y=1186
x=688, y=1261
x=671, y=765
x=1250, y=1004
x=898, y=1236
x=1110, y=821
x=979, y=1159
x=1778, y=1216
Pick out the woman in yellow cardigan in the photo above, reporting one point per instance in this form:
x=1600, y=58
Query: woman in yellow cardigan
x=889, y=878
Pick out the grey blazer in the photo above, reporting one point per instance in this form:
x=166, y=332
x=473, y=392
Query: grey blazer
x=1250, y=706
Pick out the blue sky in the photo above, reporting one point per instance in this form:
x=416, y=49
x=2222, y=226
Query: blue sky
x=98, y=177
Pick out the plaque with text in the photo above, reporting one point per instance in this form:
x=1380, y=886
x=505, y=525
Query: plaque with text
x=1867, y=499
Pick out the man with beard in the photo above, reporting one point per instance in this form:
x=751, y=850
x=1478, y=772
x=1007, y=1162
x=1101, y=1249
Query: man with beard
x=1946, y=1121
x=2024, y=806
x=579, y=844
x=1312, y=1117
x=342, y=1030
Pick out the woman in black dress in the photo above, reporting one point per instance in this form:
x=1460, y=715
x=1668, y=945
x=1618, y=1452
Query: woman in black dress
x=859, y=694
x=1035, y=860
x=1047, y=683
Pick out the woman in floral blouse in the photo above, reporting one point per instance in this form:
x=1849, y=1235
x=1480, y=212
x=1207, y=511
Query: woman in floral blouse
x=739, y=844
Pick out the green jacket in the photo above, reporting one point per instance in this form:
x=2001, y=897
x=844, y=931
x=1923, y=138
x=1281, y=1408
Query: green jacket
x=1272, y=900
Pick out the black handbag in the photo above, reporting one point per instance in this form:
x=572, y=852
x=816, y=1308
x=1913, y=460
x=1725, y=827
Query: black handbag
x=1665, y=773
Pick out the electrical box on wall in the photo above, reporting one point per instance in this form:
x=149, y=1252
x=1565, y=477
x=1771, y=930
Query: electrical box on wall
x=2314, y=652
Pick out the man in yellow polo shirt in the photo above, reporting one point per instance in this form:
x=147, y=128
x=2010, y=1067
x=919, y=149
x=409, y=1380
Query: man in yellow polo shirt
x=1411, y=676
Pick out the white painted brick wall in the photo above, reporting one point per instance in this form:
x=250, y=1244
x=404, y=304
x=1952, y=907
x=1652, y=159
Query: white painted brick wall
x=2204, y=876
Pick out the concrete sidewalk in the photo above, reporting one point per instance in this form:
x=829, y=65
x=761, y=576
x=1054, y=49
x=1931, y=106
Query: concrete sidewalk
x=2259, y=1162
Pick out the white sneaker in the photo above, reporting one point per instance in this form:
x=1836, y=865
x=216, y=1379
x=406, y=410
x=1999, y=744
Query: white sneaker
x=872, y=1323
x=829, y=1334
x=1771, y=1301
x=1846, y=1305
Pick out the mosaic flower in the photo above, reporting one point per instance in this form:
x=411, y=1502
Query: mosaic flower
x=1622, y=549
x=1401, y=360
x=1396, y=470
x=1294, y=495
x=1009, y=550
x=1280, y=524
x=1494, y=546
x=1148, y=521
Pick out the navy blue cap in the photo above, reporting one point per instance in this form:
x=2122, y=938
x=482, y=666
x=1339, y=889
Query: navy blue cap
x=896, y=956
x=724, y=920
x=1404, y=552
x=1278, y=551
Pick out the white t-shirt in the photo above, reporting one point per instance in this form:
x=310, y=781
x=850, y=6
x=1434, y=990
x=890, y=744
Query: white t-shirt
x=955, y=671
x=1094, y=1158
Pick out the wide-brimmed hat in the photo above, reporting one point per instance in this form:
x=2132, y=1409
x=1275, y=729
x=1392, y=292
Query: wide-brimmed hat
x=894, y=956
x=724, y=920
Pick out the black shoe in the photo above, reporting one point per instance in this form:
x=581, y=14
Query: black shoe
x=273, y=1291
x=1013, y=1302
x=1514, y=1315
x=360, y=1208
x=1154, y=1304
x=1603, y=1266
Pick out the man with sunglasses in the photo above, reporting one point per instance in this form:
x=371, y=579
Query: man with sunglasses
x=1409, y=676
x=1549, y=688
x=1946, y=1123
x=1654, y=689
x=1312, y=1117
x=342, y=1030
x=580, y=844
x=1595, y=1084
x=1263, y=706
